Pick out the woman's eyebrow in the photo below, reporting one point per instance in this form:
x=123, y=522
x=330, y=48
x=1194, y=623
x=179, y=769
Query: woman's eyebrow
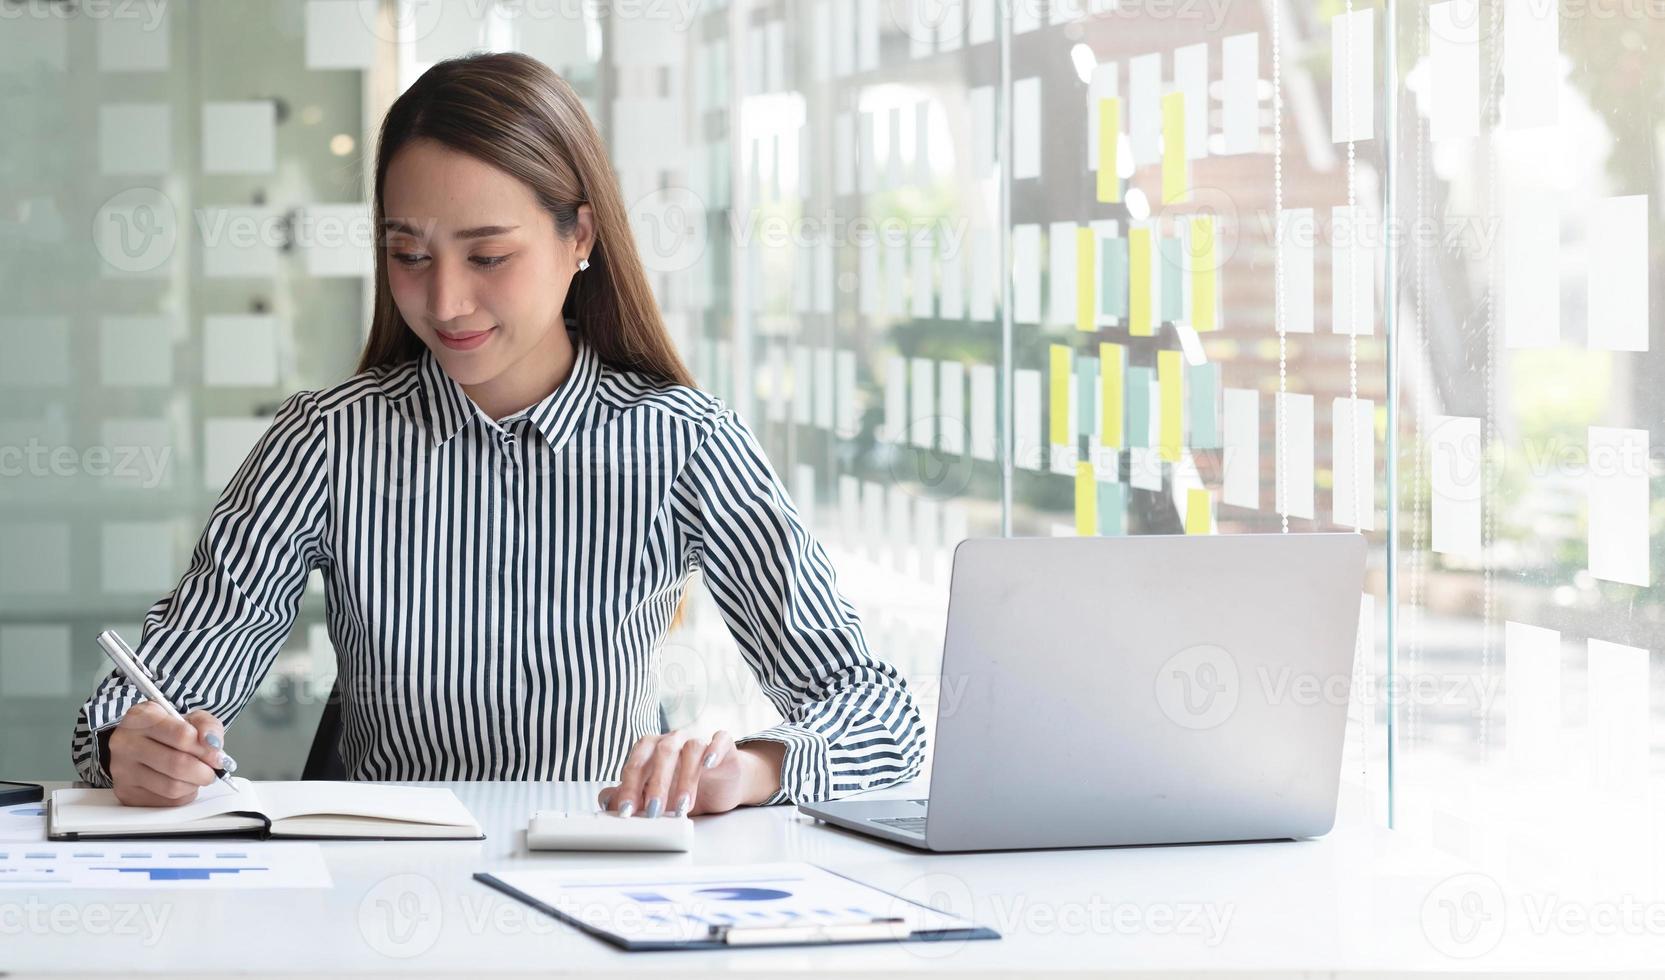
x=484, y=231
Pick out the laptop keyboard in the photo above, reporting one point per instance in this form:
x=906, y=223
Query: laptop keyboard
x=907, y=825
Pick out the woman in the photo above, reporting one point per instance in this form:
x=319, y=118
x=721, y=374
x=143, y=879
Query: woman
x=506, y=502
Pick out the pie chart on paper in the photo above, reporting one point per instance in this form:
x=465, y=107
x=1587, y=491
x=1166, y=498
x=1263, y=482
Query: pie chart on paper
x=743, y=894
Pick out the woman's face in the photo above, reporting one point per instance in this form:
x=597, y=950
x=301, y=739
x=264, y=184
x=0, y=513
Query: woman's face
x=474, y=263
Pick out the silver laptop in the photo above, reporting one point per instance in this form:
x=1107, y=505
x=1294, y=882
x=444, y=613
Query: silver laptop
x=1151, y=689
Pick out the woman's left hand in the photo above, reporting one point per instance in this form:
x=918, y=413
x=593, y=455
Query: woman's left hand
x=680, y=775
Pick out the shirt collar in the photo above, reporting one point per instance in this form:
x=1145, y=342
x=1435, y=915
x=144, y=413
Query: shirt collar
x=556, y=416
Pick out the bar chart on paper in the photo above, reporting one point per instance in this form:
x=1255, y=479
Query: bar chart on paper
x=129, y=865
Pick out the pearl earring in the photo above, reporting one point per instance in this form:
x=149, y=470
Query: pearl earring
x=583, y=264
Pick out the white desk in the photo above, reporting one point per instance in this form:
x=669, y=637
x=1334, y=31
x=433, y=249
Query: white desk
x=1354, y=900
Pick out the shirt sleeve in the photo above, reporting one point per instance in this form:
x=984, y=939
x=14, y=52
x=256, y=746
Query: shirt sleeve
x=849, y=721
x=210, y=641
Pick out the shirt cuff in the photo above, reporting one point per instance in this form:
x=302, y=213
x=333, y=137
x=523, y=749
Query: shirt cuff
x=805, y=775
x=103, y=713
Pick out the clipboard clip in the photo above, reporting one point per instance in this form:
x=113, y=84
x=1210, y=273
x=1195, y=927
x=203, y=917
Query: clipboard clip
x=893, y=927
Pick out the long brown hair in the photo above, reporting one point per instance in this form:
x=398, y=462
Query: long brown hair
x=513, y=112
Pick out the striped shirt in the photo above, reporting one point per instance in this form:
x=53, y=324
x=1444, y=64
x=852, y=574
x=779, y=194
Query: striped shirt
x=497, y=591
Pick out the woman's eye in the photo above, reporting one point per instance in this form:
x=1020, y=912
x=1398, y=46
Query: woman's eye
x=408, y=258
x=489, y=261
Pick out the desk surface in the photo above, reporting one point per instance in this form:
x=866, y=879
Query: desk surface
x=1361, y=898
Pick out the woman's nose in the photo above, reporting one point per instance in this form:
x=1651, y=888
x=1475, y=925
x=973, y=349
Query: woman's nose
x=448, y=294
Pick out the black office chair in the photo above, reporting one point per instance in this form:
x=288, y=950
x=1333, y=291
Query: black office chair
x=323, y=760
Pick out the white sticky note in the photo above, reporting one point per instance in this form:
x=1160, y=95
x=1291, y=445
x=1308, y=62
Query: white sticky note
x=893, y=149
x=867, y=35
x=1298, y=249
x=239, y=137
x=145, y=448
x=951, y=407
x=868, y=284
x=1060, y=272
x=844, y=38
x=1144, y=467
x=922, y=425
x=849, y=414
x=1352, y=75
x=1100, y=85
x=135, y=351
x=1352, y=275
x=239, y=243
x=240, y=349
x=895, y=254
x=338, y=37
x=920, y=293
x=1028, y=440
x=982, y=131
x=34, y=661
x=135, y=139
x=1026, y=128
x=1618, y=273
x=1618, y=715
x=980, y=24
x=1454, y=70
x=1455, y=463
x=1618, y=498
x=135, y=43
x=136, y=557
x=225, y=445
x=1191, y=77
x=1240, y=92
x=1240, y=464
x=1144, y=122
x=1294, y=484
x=1026, y=273
x=1532, y=698
x=1354, y=475
x=952, y=254
x=983, y=443
x=34, y=44
x=1531, y=63
x=452, y=28
x=814, y=398
x=1532, y=268
x=985, y=279
x=36, y=351
x=34, y=558
x=338, y=240
x=896, y=403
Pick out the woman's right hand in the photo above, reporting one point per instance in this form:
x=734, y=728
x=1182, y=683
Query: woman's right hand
x=158, y=760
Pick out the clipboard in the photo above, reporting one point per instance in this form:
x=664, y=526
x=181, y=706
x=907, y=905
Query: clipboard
x=877, y=929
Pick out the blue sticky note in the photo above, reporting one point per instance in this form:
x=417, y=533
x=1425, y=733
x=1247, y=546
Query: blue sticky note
x=1140, y=381
x=1112, y=508
x=1173, y=279
x=1203, y=383
x=1086, y=395
x=1112, y=287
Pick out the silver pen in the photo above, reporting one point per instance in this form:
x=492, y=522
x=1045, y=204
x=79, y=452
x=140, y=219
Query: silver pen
x=128, y=663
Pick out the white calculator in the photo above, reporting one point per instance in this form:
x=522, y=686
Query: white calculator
x=562, y=830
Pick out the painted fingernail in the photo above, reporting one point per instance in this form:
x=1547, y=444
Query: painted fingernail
x=627, y=808
x=710, y=759
x=228, y=763
x=214, y=741
x=655, y=806
x=682, y=803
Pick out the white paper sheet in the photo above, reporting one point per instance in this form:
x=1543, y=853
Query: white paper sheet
x=1618, y=499
x=1294, y=456
x=150, y=865
x=1618, y=274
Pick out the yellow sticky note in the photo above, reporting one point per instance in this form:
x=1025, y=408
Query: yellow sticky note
x=1112, y=363
x=1169, y=367
x=1204, y=256
x=1086, y=500
x=1139, y=323
x=1109, y=127
x=1173, y=148
x=1086, y=277
x=1196, y=511
x=1061, y=368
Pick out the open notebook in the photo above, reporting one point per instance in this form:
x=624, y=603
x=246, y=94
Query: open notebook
x=271, y=809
